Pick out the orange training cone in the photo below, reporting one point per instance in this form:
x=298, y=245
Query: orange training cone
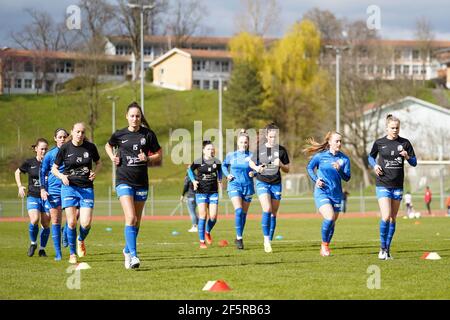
x=223, y=243
x=218, y=285
x=431, y=256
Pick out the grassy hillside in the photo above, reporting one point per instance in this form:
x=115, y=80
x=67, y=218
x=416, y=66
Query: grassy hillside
x=27, y=117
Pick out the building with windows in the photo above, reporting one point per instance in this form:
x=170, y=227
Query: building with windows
x=26, y=71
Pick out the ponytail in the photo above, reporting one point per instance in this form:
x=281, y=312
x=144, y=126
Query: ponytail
x=313, y=146
x=390, y=118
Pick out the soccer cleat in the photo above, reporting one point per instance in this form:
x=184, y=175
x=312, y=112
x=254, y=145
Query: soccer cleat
x=58, y=257
x=267, y=247
x=239, y=244
x=73, y=259
x=324, y=250
x=193, y=229
x=203, y=245
x=135, y=263
x=208, y=238
x=32, y=249
x=388, y=256
x=382, y=255
x=127, y=259
x=42, y=253
x=81, y=248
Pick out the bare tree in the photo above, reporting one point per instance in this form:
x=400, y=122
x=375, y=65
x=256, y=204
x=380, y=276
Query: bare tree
x=330, y=27
x=424, y=35
x=259, y=17
x=185, y=20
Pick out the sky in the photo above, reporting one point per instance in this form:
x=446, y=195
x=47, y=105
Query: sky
x=397, y=16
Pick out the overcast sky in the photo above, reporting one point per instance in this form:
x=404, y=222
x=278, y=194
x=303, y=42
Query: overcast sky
x=397, y=16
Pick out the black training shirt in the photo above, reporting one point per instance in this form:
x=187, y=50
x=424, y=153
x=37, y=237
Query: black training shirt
x=32, y=167
x=208, y=171
x=267, y=156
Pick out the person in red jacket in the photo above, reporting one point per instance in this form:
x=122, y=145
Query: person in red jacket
x=428, y=199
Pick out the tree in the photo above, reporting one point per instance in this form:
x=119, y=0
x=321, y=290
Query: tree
x=424, y=35
x=129, y=23
x=296, y=88
x=329, y=26
x=258, y=17
x=245, y=95
x=185, y=20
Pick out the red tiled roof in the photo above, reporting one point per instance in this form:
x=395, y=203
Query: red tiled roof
x=60, y=55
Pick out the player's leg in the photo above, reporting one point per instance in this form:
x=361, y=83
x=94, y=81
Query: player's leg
x=266, y=205
x=71, y=217
x=395, y=205
x=54, y=208
x=45, y=232
x=202, y=203
x=236, y=200
x=385, y=210
x=327, y=212
x=213, y=215
x=33, y=230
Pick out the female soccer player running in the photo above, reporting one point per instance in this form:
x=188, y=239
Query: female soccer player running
x=35, y=205
x=206, y=182
x=392, y=151
x=269, y=159
x=77, y=190
x=51, y=190
x=240, y=188
x=332, y=166
x=134, y=143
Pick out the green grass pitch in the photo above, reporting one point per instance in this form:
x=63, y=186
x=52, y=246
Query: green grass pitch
x=174, y=268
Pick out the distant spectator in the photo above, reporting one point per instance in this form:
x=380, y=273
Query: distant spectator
x=345, y=194
x=408, y=202
x=428, y=197
x=447, y=202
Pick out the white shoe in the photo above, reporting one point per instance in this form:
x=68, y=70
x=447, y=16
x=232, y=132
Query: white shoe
x=388, y=256
x=267, y=247
x=193, y=229
x=127, y=259
x=135, y=263
x=382, y=255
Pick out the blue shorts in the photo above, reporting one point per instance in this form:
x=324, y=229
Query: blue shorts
x=77, y=197
x=391, y=193
x=139, y=194
x=34, y=203
x=52, y=202
x=244, y=192
x=210, y=198
x=321, y=198
x=274, y=190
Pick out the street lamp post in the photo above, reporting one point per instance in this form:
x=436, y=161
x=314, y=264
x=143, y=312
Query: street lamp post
x=338, y=50
x=113, y=122
x=220, y=121
x=142, y=9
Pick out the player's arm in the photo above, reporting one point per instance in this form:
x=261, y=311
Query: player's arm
x=19, y=183
x=43, y=173
x=98, y=167
x=344, y=171
x=372, y=162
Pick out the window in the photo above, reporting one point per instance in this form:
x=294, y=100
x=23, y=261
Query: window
x=397, y=54
x=28, y=67
x=38, y=84
x=362, y=68
x=7, y=83
x=215, y=84
x=398, y=69
x=199, y=65
x=206, y=84
x=423, y=70
x=119, y=69
x=225, y=66
x=64, y=67
x=388, y=70
x=370, y=69
x=406, y=69
x=18, y=84
x=406, y=54
x=161, y=71
x=147, y=51
x=28, y=83
x=196, y=84
x=415, y=69
x=415, y=54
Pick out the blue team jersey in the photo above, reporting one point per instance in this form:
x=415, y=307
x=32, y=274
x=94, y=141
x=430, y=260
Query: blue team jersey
x=323, y=161
x=237, y=164
x=51, y=183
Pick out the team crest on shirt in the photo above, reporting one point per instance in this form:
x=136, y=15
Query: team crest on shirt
x=214, y=166
x=86, y=155
x=340, y=162
x=143, y=141
x=400, y=148
x=79, y=159
x=209, y=169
